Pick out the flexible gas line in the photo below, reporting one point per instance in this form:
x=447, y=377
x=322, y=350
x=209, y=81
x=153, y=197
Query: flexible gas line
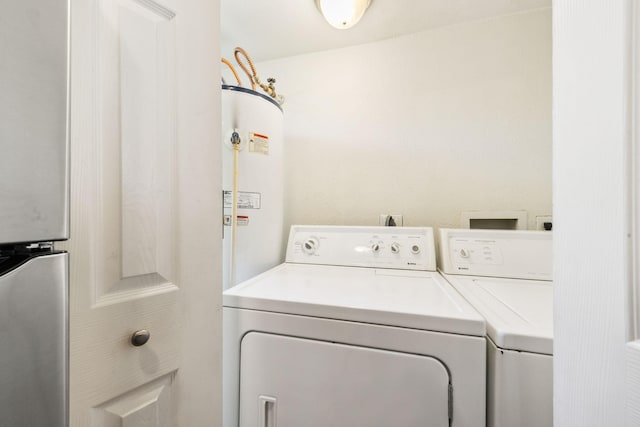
x=235, y=141
x=253, y=75
x=232, y=68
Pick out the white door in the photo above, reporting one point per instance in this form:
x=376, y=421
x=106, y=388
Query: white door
x=594, y=376
x=632, y=374
x=145, y=213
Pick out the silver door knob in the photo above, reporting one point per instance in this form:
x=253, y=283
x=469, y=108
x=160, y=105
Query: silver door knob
x=140, y=337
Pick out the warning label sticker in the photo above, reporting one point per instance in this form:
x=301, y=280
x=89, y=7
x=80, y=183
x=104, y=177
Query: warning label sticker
x=246, y=200
x=259, y=143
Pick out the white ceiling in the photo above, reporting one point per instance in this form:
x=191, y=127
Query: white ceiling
x=270, y=29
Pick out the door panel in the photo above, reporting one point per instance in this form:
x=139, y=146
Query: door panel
x=633, y=383
x=133, y=233
x=290, y=382
x=149, y=405
x=136, y=157
x=147, y=138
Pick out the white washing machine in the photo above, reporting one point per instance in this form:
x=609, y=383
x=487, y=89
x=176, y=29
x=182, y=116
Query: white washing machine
x=506, y=276
x=356, y=328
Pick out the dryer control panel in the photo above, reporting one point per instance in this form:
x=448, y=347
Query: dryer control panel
x=406, y=248
x=496, y=253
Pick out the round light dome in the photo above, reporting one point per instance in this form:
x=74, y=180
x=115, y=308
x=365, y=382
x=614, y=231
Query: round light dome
x=343, y=14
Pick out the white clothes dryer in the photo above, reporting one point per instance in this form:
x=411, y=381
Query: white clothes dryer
x=356, y=328
x=506, y=276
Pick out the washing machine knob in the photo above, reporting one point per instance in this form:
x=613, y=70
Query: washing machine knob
x=395, y=248
x=415, y=249
x=375, y=248
x=464, y=253
x=310, y=246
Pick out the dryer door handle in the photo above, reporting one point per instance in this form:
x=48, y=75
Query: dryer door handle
x=267, y=411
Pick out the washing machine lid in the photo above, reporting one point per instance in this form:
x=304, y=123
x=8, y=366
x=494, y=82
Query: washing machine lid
x=519, y=313
x=401, y=298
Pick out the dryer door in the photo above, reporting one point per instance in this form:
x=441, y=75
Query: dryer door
x=293, y=382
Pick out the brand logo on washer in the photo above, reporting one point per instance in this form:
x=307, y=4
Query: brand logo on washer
x=463, y=268
x=412, y=263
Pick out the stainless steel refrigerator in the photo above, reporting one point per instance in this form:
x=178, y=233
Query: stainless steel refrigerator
x=34, y=188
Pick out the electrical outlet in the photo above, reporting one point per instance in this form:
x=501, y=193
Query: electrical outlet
x=540, y=221
x=385, y=218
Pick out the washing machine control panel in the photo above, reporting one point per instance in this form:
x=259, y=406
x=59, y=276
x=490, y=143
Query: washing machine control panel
x=496, y=253
x=408, y=248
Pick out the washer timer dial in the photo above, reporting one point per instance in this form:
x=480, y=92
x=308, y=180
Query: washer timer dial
x=310, y=246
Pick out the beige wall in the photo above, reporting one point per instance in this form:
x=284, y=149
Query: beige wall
x=426, y=125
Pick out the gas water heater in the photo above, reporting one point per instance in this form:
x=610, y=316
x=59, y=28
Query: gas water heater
x=252, y=161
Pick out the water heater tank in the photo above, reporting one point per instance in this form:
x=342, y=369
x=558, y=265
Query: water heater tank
x=258, y=120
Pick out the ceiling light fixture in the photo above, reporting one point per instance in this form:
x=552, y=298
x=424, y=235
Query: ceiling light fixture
x=342, y=14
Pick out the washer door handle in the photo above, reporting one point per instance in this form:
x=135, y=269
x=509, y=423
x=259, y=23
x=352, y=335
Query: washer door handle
x=267, y=411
